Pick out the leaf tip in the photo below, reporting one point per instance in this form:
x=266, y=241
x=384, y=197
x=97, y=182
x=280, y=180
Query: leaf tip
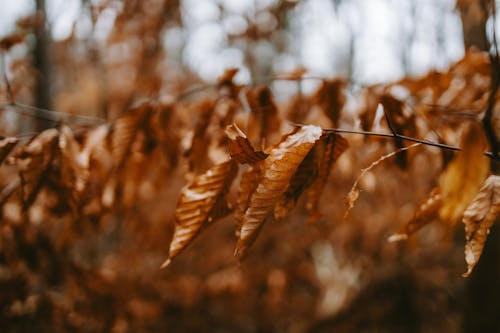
x=467, y=274
x=166, y=263
x=397, y=238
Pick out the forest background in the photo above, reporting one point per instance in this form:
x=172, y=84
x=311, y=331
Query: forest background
x=109, y=108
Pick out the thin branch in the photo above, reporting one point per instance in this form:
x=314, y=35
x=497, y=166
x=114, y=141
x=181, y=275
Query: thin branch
x=389, y=123
x=399, y=136
x=50, y=115
x=353, y=194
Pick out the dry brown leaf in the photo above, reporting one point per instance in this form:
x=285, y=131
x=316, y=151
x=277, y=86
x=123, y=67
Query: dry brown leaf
x=198, y=150
x=9, y=41
x=331, y=147
x=6, y=146
x=227, y=77
x=34, y=162
x=400, y=123
x=278, y=170
x=427, y=211
x=200, y=202
x=464, y=175
x=264, y=121
x=125, y=130
x=478, y=219
x=331, y=99
x=301, y=180
x=74, y=171
x=249, y=181
x=240, y=148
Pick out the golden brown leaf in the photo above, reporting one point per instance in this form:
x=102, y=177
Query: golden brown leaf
x=200, y=202
x=6, y=146
x=427, y=211
x=464, y=175
x=240, y=148
x=478, y=219
x=331, y=147
x=278, y=169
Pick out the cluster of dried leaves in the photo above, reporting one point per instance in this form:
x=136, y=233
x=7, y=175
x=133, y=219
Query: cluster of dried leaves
x=238, y=154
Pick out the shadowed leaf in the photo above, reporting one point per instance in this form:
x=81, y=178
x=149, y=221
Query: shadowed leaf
x=331, y=147
x=240, y=148
x=6, y=146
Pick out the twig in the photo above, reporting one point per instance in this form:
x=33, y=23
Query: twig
x=50, y=115
x=406, y=138
x=399, y=136
x=353, y=194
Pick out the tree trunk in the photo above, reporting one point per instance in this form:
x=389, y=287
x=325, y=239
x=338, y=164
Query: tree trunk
x=41, y=62
x=481, y=311
x=474, y=14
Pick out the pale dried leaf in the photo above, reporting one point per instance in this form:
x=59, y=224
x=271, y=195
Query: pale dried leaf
x=464, y=175
x=278, y=169
x=200, y=202
x=478, y=219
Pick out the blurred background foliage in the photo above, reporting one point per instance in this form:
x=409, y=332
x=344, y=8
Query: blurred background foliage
x=86, y=62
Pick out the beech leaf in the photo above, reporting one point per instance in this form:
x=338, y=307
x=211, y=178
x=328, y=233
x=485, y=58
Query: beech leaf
x=279, y=168
x=249, y=181
x=200, y=202
x=331, y=147
x=33, y=163
x=478, y=219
